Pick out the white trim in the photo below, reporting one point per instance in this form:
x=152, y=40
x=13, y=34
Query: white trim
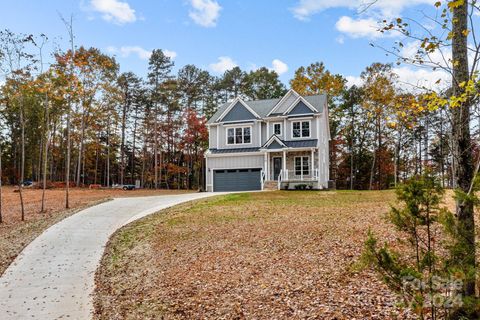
x=236, y=124
x=235, y=136
x=301, y=165
x=232, y=104
x=301, y=136
x=259, y=133
x=294, y=104
x=279, y=103
x=300, y=118
x=270, y=140
x=273, y=166
x=281, y=128
x=301, y=115
x=318, y=131
x=235, y=154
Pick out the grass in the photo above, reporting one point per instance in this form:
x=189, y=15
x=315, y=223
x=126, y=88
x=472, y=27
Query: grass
x=250, y=255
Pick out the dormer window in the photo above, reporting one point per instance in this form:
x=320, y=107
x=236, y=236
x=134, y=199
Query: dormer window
x=239, y=135
x=301, y=129
x=277, y=129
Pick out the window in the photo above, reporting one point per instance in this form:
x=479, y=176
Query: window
x=246, y=135
x=302, y=166
x=301, y=129
x=240, y=135
x=277, y=128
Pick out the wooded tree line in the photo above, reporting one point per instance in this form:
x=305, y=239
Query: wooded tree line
x=121, y=127
x=78, y=119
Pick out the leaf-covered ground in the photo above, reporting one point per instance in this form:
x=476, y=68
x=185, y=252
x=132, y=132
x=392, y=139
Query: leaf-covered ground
x=270, y=255
x=16, y=234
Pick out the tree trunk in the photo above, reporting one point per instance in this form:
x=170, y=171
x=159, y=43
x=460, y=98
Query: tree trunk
x=45, y=153
x=22, y=164
x=1, y=213
x=134, y=138
x=462, y=151
x=67, y=161
x=108, y=155
x=80, y=150
x=122, y=145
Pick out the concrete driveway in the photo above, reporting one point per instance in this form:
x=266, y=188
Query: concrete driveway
x=53, y=277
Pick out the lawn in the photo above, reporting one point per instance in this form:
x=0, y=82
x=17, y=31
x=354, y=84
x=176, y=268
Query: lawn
x=282, y=254
x=16, y=234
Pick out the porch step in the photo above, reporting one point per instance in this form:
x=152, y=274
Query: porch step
x=270, y=185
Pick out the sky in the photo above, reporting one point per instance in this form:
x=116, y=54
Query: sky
x=217, y=35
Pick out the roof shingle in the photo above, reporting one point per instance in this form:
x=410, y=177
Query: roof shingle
x=263, y=107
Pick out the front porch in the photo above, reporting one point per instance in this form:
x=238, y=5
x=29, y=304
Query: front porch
x=292, y=169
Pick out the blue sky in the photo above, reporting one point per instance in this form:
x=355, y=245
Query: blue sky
x=218, y=34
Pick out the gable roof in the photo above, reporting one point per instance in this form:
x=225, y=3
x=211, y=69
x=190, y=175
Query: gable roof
x=274, y=141
x=300, y=106
x=263, y=107
x=241, y=110
x=278, y=143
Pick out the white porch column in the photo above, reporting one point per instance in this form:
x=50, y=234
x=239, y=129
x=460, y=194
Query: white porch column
x=268, y=166
x=312, y=163
x=319, y=171
x=265, y=162
x=284, y=165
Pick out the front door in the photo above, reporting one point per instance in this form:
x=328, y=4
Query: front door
x=277, y=167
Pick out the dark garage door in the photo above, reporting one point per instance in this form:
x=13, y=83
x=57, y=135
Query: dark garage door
x=236, y=180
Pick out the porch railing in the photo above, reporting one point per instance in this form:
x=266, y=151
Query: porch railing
x=263, y=177
x=279, y=180
x=293, y=175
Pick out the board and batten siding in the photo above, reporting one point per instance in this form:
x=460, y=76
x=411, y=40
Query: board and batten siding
x=222, y=138
x=212, y=137
x=313, y=127
x=237, y=161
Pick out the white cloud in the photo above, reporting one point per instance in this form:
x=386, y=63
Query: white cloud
x=369, y=13
x=205, y=12
x=279, y=66
x=169, y=53
x=126, y=51
x=386, y=8
x=412, y=79
x=352, y=80
x=340, y=39
x=224, y=63
x=358, y=28
x=116, y=11
x=416, y=78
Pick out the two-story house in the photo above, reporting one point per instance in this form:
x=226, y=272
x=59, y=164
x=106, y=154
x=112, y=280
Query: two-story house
x=278, y=142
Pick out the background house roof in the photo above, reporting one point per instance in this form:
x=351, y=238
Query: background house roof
x=263, y=107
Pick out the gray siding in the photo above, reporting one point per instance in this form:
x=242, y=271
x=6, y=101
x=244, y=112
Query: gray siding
x=238, y=113
x=275, y=145
x=232, y=162
x=222, y=139
x=212, y=137
x=286, y=103
x=313, y=128
x=270, y=129
x=300, y=108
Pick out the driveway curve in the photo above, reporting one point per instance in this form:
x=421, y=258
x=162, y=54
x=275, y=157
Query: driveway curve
x=53, y=277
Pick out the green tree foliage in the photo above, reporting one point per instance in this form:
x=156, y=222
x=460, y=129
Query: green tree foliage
x=263, y=84
x=421, y=265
